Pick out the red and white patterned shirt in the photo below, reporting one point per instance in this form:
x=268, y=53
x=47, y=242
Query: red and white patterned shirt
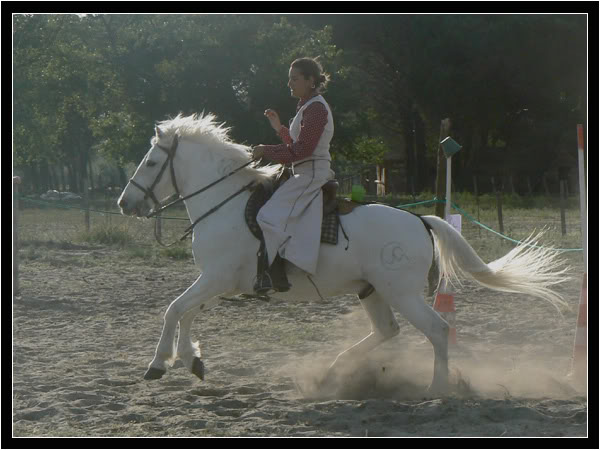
x=313, y=123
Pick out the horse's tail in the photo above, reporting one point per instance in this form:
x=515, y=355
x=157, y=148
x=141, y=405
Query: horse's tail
x=526, y=269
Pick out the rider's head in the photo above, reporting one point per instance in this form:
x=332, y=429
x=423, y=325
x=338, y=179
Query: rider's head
x=306, y=77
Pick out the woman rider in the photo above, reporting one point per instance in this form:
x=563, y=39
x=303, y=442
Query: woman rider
x=291, y=219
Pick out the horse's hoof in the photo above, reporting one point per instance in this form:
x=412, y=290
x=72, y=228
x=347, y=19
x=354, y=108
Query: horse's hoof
x=154, y=374
x=438, y=389
x=198, y=368
x=330, y=382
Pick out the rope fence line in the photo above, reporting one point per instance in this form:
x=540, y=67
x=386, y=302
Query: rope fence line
x=485, y=227
x=63, y=206
x=408, y=205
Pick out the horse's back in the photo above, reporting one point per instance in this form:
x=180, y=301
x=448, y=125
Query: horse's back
x=377, y=223
x=379, y=242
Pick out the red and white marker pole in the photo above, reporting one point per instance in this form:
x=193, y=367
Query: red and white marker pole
x=579, y=367
x=582, y=192
x=444, y=305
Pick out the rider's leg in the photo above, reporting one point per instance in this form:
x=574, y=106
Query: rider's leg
x=272, y=278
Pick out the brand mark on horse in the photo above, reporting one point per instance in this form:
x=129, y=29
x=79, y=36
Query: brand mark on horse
x=392, y=256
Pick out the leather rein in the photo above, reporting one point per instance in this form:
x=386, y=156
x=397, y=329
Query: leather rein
x=158, y=208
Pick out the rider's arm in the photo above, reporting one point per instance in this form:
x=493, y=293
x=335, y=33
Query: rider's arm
x=314, y=120
x=284, y=135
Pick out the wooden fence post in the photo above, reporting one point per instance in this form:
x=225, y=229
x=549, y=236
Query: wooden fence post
x=477, y=202
x=563, y=223
x=107, y=205
x=16, y=182
x=86, y=203
x=499, y=203
x=158, y=226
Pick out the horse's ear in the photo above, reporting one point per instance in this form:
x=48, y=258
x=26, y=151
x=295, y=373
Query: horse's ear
x=159, y=134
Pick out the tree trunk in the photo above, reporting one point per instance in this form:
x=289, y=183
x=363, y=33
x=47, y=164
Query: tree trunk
x=91, y=174
x=61, y=177
x=70, y=176
x=123, y=177
x=43, y=167
x=408, y=131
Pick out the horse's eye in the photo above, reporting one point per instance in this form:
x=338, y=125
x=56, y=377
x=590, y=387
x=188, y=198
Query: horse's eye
x=150, y=163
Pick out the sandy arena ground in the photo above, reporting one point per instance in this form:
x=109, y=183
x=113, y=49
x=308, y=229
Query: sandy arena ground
x=87, y=322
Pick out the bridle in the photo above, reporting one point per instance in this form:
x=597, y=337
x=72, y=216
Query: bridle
x=158, y=208
x=149, y=192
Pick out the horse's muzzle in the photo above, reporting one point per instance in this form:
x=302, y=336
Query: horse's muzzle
x=139, y=209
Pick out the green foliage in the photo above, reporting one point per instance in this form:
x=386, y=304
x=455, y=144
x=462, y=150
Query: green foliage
x=368, y=150
x=96, y=84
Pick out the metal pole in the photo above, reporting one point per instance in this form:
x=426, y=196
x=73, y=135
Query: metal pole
x=448, y=187
x=444, y=130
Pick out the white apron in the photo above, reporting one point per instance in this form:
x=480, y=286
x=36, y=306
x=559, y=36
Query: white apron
x=291, y=219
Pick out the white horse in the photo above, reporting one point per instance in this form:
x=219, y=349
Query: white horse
x=389, y=249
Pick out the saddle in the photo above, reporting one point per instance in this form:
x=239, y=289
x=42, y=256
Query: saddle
x=332, y=207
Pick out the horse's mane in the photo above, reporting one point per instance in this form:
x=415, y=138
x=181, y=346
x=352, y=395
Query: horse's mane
x=204, y=129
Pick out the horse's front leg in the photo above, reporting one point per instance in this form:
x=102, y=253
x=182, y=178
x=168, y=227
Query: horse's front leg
x=198, y=296
x=188, y=351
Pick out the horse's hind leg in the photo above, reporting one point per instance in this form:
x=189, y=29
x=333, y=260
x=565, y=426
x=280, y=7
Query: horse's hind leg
x=424, y=318
x=383, y=327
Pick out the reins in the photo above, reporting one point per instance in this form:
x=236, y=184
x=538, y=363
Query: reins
x=190, y=229
x=199, y=191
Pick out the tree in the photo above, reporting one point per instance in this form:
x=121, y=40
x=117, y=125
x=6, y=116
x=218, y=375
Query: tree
x=95, y=84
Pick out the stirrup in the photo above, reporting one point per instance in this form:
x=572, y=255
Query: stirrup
x=264, y=285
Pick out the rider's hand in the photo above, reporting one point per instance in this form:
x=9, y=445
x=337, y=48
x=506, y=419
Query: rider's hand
x=258, y=151
x=273, y=119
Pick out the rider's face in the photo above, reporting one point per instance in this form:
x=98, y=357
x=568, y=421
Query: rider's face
x=300, y=87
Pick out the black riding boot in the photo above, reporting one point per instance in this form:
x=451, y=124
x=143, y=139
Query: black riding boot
x=278, y=276
x=273, y=279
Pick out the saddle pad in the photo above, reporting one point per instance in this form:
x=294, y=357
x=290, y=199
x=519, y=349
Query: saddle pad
x=262, y=193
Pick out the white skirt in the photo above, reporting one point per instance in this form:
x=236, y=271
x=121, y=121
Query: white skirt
x=291, y=219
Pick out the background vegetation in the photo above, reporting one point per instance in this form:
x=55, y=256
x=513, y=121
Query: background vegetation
x=90, y=88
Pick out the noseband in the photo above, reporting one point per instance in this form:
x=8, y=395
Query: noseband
x=149, y=192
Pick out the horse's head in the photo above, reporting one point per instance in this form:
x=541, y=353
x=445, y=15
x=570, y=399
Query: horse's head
x=205, y=153
x=154, y=179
